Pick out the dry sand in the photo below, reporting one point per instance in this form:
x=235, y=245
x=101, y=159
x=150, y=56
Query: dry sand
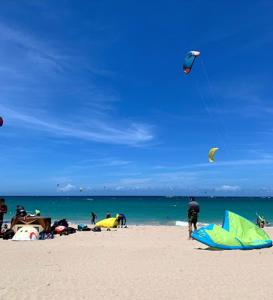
x=141, y=262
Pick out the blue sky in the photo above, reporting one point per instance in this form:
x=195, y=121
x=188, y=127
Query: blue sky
x=93, y=95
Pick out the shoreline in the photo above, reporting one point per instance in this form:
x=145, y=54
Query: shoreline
x=74, y=223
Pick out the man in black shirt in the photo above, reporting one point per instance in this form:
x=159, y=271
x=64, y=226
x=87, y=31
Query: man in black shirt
x=193, y=210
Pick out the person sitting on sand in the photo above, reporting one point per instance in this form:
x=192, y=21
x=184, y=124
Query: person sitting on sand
x=93, y=218
x=3, y=210
x=20, y=211
x=193, y=210
x=108, y=215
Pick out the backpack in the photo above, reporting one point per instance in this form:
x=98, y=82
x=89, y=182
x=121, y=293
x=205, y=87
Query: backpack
x=68, y=230
x=86, y=229
x=62, y=222
x=82, y=227
x=46, y=235
x=8, y=234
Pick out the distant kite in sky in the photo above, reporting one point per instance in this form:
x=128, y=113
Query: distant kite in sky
x=1, y=121
x=211, y=154
x=189, y=61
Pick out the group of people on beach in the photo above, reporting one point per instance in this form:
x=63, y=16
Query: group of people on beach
x=121, y=218
x=193, y=211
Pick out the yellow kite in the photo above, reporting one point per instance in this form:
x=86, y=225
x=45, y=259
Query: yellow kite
x=211, y=154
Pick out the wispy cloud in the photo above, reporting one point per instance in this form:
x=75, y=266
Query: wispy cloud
x=96, y=130
x=117, y=162
x=34, y=97
x=228, y=188
x=243, y=162
x=102, y=163
x=252, y=95
x=33, y=49
x=175, y=176
x=131, y=184
x=266, y=159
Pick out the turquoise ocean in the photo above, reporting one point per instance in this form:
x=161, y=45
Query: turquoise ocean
x=141, y=210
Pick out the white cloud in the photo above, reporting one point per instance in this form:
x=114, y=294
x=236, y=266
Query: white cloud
x=228, y=188
x=67, y=188
x=117, y=162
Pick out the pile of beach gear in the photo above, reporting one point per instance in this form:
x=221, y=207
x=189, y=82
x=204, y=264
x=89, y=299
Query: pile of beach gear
x=30, y=228
x=62, y=227
x=32, y=232
x=236, y=233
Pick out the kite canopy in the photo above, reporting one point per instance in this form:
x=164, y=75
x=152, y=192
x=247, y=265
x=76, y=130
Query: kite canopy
x=108, y=223
x=189, y=60
x=1, y=121
x=236, y=233
x=212, y=153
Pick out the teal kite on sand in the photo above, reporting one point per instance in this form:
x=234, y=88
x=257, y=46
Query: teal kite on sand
x=236, y=233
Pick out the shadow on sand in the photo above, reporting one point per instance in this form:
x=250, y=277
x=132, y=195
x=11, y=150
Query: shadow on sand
x=209, y=249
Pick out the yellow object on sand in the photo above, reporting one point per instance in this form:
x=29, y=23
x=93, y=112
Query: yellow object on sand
x=108, y=223
x=212, y=153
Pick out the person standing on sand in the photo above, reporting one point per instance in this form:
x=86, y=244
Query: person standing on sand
x=93, y=218
x=121, y=220
x=193, y=211
x=3, y=210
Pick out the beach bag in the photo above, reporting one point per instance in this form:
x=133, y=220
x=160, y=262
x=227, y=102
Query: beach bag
x=62, y=222
x=86, y=229
x=59, y=229
x=8, y=234
x=46, y=235
x=82, y=227
x=68, y=230
x=42, y=235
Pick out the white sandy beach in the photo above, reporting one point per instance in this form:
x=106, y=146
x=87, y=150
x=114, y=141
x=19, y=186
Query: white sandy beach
x=141, y=262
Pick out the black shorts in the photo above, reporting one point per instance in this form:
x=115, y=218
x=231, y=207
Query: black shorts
x=192, y=218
